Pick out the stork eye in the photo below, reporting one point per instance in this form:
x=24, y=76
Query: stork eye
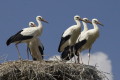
x=40, y=18
x=77, y=17
x=95, y=21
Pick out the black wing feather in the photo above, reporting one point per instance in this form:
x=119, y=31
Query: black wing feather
x=41, y=51
x=78, y=45
x=17, y=37
x=63, y=40
x=67, y=54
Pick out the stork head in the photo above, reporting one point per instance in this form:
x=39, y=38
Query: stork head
x=78, y=18
x=86, y=20
x=41, y=19
x=32, y=24
x=95, y=21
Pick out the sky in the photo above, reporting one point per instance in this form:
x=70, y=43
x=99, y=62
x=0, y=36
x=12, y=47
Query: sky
x=15, y=15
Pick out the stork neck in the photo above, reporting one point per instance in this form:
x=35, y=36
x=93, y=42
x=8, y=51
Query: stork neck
x=78, y=22
x=85, y=26
x=39, y=23
x=95, y=26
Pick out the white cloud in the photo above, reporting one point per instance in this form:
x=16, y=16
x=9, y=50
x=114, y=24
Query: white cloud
x=99, y=59
x=56, y=57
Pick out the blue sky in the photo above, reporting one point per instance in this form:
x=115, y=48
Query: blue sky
x=15, y=15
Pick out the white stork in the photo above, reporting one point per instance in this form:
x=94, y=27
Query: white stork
x=35, y=46
x=88, y=38
x=67, y=55
x=70, y=35
x=31, y=24
x=27, y=34
x=85, y=28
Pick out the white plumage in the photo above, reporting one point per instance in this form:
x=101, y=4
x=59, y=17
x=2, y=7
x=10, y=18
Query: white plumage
x=26, y=34
x=36, y=49
x=70, y=35
x=35, y=46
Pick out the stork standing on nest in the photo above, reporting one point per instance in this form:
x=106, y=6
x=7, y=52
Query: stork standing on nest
x=68, y=53
x=70, y=35
x=27, y=34
x=85, y=28
x=35, y=46
x=88, y=38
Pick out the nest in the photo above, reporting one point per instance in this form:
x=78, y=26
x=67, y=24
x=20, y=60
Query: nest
x=48, y=70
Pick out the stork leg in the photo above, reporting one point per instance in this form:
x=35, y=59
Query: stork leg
x=27, y=52
x=75, y=58
x=81, y=59
x=74, y=54
x=18, y=52
x=78, y=58
x=69, y=52
x=89, y=56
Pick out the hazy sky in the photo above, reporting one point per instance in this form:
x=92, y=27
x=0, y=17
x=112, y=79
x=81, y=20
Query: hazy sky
x=16, y=14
